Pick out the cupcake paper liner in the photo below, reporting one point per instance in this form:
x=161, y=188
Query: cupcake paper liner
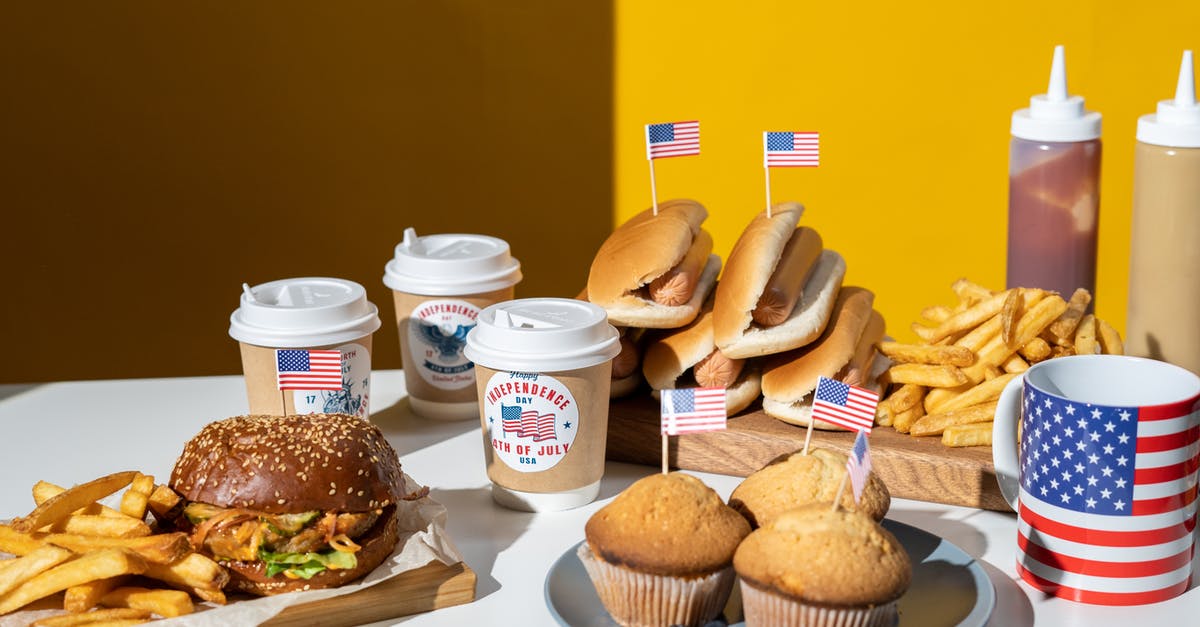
x=764, y=608
x=643, y=600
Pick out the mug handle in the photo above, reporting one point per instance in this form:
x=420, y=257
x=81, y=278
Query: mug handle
x=1004, y=441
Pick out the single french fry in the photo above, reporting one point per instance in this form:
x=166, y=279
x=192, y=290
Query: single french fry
x=970, y=293
x=87, y=567
x=163, y=501
x=1014, y=364
x=922, y=331
x=1035, y=350
x=168, y=603
x=883, y=414
x=936, y=313
x=1085, y=336
x=1034, y=320
x=93, y=618
x=925, y=354
x=935, y=424
x=974, y=395
x=1061, y=351
x=195, y=573
x=1063, y=329
x=1008, y=316
x=17, y=543
x=61, y=505
x=974, y=434
x=903, y=421
x=905, y=397
x=924, y=374
x=1110, y=340
x=135, y=499
x=43, y=490
x=971, y=317
x=98, y=525
x=28, y=566
x=85, y=596
x=162, y=548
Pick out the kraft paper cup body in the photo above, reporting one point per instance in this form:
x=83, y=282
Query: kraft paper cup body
x=280, y=324
x=543, y=370
x=1103, y=476
x=440, y=283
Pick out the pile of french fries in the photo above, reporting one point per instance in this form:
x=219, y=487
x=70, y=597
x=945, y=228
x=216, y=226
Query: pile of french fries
x=949, y=382
x=100, y=557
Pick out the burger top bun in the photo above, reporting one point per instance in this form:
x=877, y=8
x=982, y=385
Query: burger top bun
x=643, y=249
x=289, y=464
x=747, y=273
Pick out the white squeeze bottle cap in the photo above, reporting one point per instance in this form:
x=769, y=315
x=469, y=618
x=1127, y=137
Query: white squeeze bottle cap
x=1055, y=116
x=1177, y=122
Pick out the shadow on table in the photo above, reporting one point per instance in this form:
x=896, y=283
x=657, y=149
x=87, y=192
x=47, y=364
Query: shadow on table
x=956, y=531
x=9, y=390
x=409, y=432
x=1012, y=604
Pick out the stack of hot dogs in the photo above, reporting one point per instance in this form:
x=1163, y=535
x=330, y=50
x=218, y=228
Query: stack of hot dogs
x=778, y=319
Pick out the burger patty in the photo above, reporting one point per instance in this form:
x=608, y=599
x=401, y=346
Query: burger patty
x=243, y=540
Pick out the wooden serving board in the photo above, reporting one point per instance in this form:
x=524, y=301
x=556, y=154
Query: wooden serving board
x=913, y=468
x=430, y=587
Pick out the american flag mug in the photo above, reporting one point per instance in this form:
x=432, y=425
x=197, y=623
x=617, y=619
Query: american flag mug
x=1102, y=476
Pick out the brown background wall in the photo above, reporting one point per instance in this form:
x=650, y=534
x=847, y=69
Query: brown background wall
x=156, y=155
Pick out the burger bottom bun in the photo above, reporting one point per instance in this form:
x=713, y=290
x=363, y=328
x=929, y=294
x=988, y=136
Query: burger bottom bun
x=741, y=394
x=800, y=413
x=807, y=320
x=376, y=545
x=635, y=311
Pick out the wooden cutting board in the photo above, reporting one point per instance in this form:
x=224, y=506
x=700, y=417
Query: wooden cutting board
x=430, y=587
x=913, y=468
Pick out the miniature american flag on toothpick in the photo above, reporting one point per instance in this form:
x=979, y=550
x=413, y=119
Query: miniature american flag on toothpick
x=791, y=149
x=672, y=139
x=298, y=369
x=693, y=410
x=858, y=466
x=844, y=405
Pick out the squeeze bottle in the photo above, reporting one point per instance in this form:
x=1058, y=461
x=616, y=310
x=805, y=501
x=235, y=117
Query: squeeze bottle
x=1164, y=267
x=1054, y=190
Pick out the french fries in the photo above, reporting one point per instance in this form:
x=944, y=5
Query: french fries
x=87, y=567
x=196, y=574
x=948, y=382
x=62, y=504
x=168, y=603
x=105, y=616
x=85, y=596
x=43, y=490
x=26, y=567
x=162, y=548
x=98, y=525
x=135, y=499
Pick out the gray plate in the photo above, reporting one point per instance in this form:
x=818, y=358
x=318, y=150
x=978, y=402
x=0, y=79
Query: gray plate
x=948, y=586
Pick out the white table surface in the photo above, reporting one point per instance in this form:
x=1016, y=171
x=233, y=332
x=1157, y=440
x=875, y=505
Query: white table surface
x=75, y=431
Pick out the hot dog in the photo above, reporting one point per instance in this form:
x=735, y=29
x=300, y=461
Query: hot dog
x=687, y=357
x=782, y=292
x=655, y=271
x=717, y=371
x=778, y=288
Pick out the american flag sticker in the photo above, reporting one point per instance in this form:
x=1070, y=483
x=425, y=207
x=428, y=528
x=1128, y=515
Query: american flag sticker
x=672, y=139
x=791, y=149
x=693, y=410
x=527, y=423
x=308, y=369
x=1107, y=499
x=844, y=405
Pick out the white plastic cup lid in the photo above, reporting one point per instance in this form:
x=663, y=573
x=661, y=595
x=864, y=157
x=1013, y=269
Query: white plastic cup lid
x=451, y=264
x=542, y=335
x=303, y=312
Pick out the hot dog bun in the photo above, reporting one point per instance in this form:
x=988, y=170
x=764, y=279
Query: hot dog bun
x=845, y=346
x=669, y=361
x=748, y=271
x=642, y=250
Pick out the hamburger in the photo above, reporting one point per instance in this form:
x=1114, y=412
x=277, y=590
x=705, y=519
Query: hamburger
x=290, y=502
x=845, y=352
x=779, y=286
x=688, y=357
x=654, y=271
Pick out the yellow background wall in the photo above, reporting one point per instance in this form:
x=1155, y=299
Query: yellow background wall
x=913, y=102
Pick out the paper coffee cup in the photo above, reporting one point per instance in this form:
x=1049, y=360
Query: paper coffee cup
x=306, y=346
x=440, y=284
x=543, y=369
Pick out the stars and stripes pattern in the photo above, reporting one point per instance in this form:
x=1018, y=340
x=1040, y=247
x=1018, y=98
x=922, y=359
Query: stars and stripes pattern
x=791, y=149
x=528, y=423
x=844, y=405
x=693, y=410
x=1108, y=499
x=298, y=369
x=858, y=464
x=672, y=139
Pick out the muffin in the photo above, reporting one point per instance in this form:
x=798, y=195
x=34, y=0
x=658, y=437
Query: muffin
x=813, y=566
x=661, y=552
x=802, y=479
